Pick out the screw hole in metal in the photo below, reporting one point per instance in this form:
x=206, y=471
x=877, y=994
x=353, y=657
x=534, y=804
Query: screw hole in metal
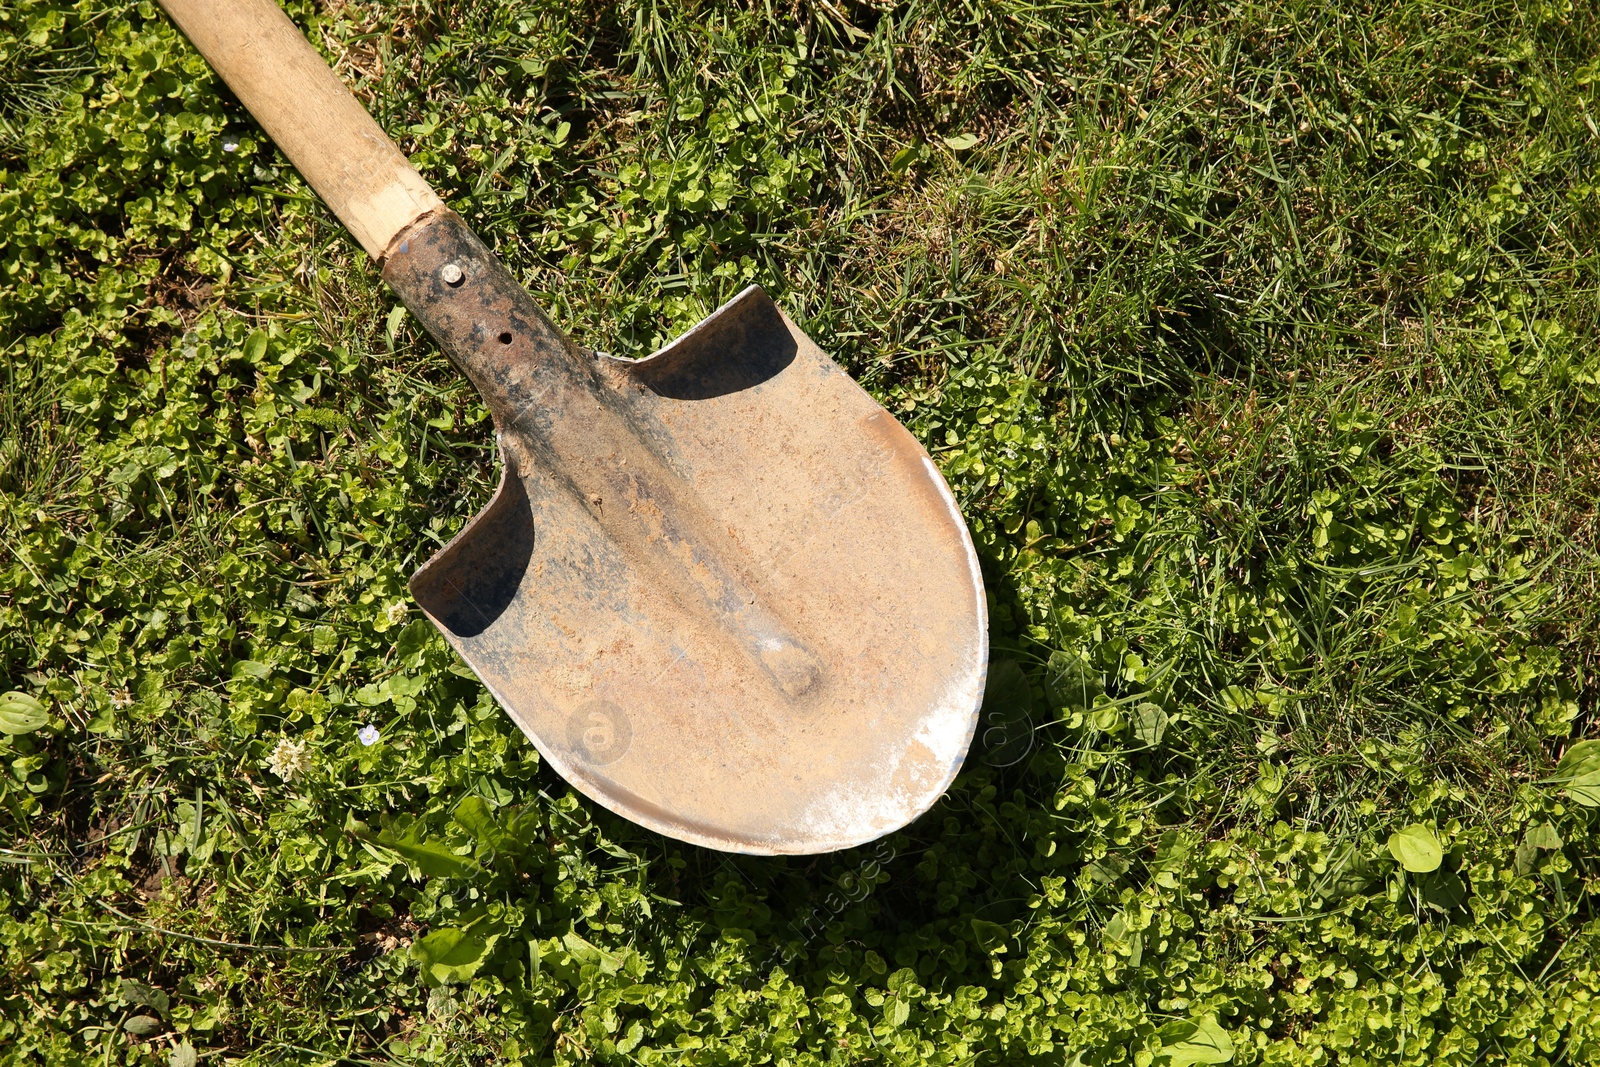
x=505, y=338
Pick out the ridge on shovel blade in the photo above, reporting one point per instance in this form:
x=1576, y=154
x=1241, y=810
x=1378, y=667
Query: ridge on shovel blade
x=786, y=658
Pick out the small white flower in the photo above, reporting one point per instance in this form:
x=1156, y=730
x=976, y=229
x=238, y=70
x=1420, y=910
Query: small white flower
x=288, y=759
x=230, y=145
x=368, y=735
x=121, y=698
x=395, y=613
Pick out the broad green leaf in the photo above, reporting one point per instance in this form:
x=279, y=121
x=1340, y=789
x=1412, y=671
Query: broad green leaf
x=22, y=714
x=413, y=639
x=1543, y=836
x=451, y=955
x=1444, y=891
x=991, y=937
x=1416, y=849
x=962, y=141
x=1073, y=680
x=142, y=1025
x=525, y=826
x=1191, y=1041
x=255, y=346
x=1237, y=698
x=1008, y=731
x=1149, y=723
x=473, y=815
x=1007, y=688
x=589, y=952
x=433, y=858
x=1117, y=934
x=1580, y=770
x=134, y=993
x=1106, y=870
x=182, y=1055
x=896, y=1012
x=904, y=982
x=402, y=685
x=904, y=158
x=1349, y=873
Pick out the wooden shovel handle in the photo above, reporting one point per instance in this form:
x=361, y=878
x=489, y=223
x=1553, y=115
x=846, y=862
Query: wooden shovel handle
x=308, y=112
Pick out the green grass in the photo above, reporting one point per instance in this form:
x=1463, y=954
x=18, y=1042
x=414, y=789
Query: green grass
x=1257, y=339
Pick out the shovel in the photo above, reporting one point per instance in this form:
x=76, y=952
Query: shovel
x=721, y=589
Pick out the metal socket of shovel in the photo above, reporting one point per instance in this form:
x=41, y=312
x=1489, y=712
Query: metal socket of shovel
x=724, y=592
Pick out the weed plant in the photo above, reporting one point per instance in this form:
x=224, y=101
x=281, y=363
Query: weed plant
x=1256, y=337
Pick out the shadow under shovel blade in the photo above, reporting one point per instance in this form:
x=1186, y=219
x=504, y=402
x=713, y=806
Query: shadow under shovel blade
x=791, y=661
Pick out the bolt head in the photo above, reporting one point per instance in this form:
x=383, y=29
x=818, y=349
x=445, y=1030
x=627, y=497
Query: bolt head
x=451, y=274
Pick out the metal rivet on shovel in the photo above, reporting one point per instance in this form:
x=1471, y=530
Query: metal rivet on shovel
x=723, y=591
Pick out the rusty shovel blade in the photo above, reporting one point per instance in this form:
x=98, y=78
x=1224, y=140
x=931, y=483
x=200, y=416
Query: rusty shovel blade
x=721, y=589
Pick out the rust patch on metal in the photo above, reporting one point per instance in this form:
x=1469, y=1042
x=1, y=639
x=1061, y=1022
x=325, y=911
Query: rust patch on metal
x=727, y=554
